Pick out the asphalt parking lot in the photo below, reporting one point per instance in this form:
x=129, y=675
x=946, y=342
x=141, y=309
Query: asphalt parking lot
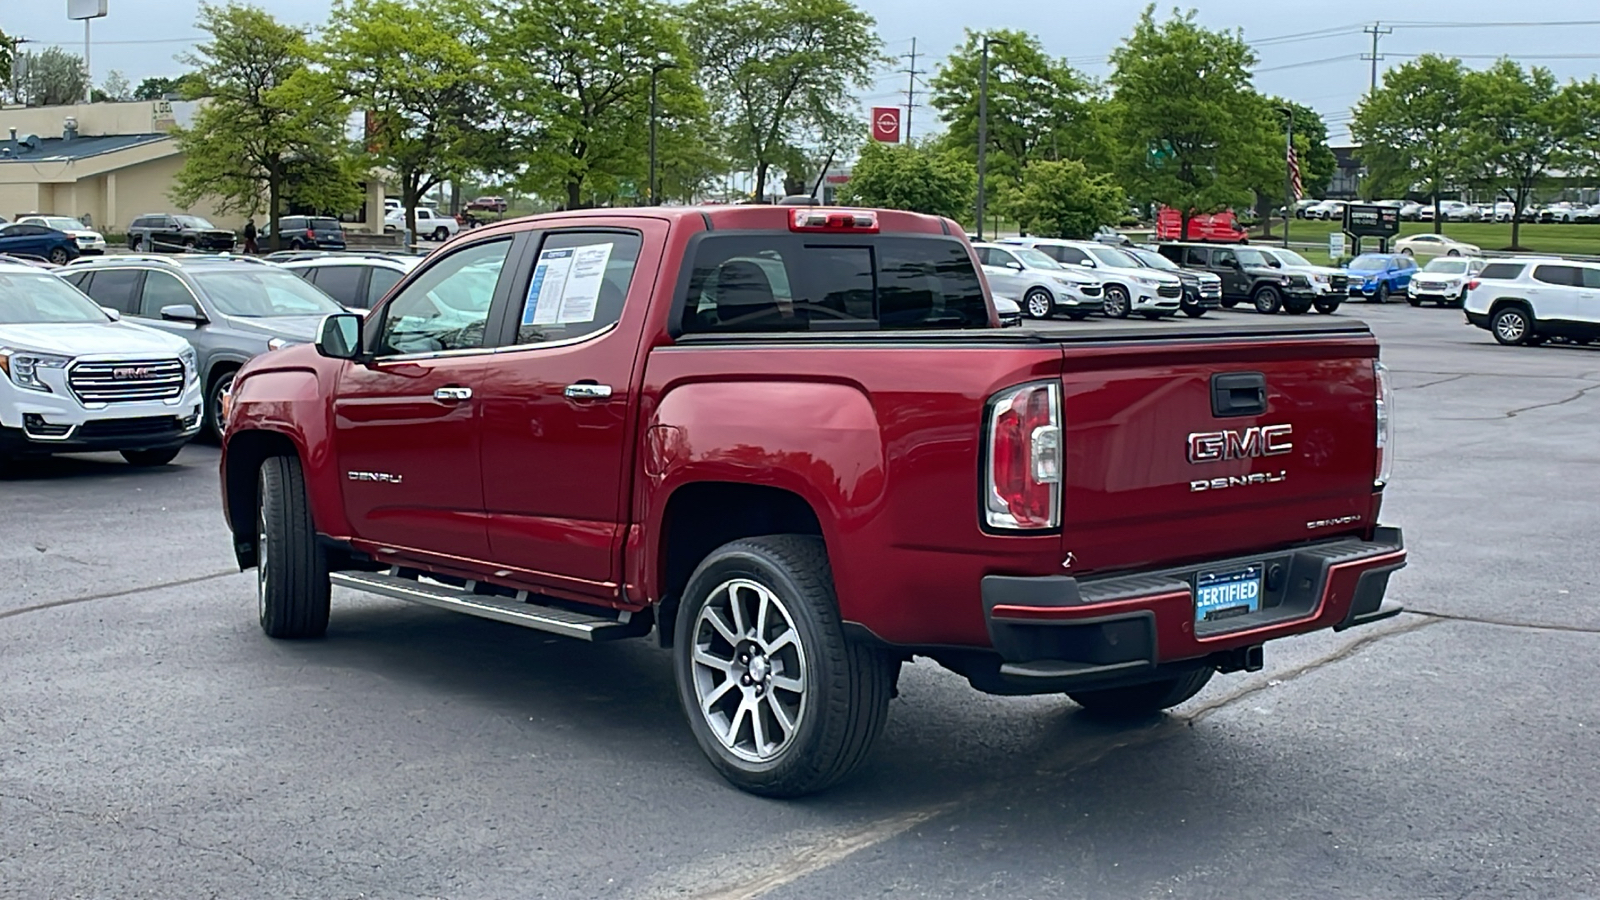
x=154, y=744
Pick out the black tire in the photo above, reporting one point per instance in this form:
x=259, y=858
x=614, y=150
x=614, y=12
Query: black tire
x=1381, y=295
x=1406, y=251
x=1297, y=308
x=213, y=413
x=1512, y=325
x=1194, y=312
x=846, y=686
x=188, y=244
x=1140, y=700
x=1453, y=253
x=441, y=234
x=292, y=586
x=150, y=458
x=60, y=256
x=296, y=245
x=1327, y=307
x=1038, y=304
x=1116, y=305
x=1229, y=303
x=1413, y=301
x=1267, y=300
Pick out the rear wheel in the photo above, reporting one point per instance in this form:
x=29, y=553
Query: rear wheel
x=1327, y=307
x=188, y=244
x=1038, y=304
x=292, y=586
x=1117, y=305
x=1140, y=700
x=1511, y=326
x=1453, y=253
x=150, y=458
x=1268, y=301
x=441, y=233
x=1407, y=252
x=778, y=699
x=60, y=256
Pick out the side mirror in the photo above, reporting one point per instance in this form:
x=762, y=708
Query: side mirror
x=1086, y=263
x=339, y=336
x=114, y=315
x=183, y=312
x=1014, y=266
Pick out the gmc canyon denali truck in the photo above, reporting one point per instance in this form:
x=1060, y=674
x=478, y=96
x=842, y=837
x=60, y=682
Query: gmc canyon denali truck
x=794, y=444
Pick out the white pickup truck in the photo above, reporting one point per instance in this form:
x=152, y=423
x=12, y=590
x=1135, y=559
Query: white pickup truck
x=73, y=378
x=430, y=223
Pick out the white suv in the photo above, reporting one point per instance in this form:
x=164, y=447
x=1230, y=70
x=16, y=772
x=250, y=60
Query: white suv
x=1130, y=287
x=1530, y=300
x=1041, y=286
x=74, y=379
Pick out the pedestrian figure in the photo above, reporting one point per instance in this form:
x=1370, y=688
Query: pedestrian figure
x=250, y=237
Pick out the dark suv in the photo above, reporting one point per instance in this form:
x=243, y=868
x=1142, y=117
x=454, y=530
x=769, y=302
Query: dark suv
x=1247, y=275
x=161, y=233
x=311, y=233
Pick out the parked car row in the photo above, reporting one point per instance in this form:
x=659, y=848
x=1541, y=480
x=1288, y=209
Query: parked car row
x=1563, y=212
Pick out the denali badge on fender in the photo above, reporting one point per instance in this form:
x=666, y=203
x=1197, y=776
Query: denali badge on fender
x=376, y=476
x=1257, y=440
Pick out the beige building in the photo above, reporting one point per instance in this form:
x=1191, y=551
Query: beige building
x=107, y=162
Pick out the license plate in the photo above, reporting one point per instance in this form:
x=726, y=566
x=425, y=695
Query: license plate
x=1225, y=594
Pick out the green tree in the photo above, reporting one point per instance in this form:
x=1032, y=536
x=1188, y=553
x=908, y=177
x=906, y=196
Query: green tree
x=273, y=132
x=1317, y=162
x=156, y=88
x=1412, y=129
x=1194, y=133
x=1577, y=112
x=1038, y=106
x=576, y=83
x=1063, y=199
x=416, y=69
x=8, y=52
x=1514, y=131
x=51, y=77
x=780, y=73
x=919, y=178
x=115, y=89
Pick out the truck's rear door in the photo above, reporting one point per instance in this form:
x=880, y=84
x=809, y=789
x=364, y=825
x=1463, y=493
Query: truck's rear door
x=1227, y=440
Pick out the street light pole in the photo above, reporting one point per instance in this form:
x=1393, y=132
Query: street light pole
x=655, y=72
x=983, y=125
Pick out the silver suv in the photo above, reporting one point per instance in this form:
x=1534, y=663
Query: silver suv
x=229, y=308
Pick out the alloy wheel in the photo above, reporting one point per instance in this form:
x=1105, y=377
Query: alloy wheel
x=1510, y=326
x=1116, y=302
x=749, y=670
x=1038, y=304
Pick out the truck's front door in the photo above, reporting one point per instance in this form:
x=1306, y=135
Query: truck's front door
x=559, y=404
x=407, y=424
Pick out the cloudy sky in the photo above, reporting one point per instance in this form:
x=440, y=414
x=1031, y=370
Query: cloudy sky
x=1309, y=51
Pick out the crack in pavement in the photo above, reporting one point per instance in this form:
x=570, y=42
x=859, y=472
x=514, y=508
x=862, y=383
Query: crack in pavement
x=1511, y=414
x=1429, y=384
x=1505, y=623
x=145, y=589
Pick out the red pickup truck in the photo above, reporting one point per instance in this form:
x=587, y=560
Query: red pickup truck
x=794, y=444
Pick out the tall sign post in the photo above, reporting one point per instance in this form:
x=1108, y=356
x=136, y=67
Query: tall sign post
x=88, y=11
x=1366, y=220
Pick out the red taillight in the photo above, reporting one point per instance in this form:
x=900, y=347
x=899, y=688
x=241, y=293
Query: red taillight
x=849, y=222
x=1384, y=406
x=1473, y=284
x=1023, y=490
x=311, y=232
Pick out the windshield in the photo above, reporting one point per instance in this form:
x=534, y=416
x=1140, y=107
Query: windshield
x=1253, y=258
x=1111, y=256
x=1291, y=258
x=195, y=222
x=1034, y=259
x=61, y=223
x=1369, y=264
x=262, y=293
x=1152, y=259
x=1447, y=266
x=28, y=299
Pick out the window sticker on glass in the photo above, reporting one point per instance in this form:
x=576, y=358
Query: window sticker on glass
x=566, y=285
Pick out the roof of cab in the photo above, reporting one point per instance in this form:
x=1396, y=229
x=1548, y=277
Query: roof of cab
x=740, y=217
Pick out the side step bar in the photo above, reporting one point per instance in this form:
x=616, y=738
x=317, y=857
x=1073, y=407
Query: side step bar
x=515, y=611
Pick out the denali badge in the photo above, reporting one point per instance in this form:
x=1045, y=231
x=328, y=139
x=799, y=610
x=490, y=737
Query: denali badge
x=376, y=476
x=1257, y=440
x=1234, y=481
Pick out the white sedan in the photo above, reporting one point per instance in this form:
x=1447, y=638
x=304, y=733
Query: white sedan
x=1434, y=245
x=90, y=242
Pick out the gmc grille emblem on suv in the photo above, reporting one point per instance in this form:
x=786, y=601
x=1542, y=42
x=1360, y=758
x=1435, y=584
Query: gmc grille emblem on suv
x=1255, y=441
x=130, y=373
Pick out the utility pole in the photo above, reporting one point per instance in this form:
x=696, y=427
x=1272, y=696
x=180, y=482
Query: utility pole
x=1377, y=31
x=911, y=71
x=983, y=124
x=16, y=68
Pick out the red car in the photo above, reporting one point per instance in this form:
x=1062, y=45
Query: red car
x=794, y=445
x=1219, y=228
x=488, y=204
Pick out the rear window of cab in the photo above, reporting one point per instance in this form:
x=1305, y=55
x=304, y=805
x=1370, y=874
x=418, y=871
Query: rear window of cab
x=766, y=282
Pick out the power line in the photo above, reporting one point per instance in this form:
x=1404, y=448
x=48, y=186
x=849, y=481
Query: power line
x=1377, y=31
x=911, y=72
x=1313, y=62
x=193, y=40
x=1517, y=56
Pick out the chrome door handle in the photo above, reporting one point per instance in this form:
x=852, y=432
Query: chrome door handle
x=452, y=394
x=588, y=392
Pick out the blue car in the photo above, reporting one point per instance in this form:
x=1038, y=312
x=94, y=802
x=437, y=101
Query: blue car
x=38, y=241
x=1379, y=276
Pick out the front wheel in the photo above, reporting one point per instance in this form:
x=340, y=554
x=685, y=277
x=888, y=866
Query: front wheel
x=150, y=458
x=1229, y=303
x=1453, y=253
x=1381, y=295
x=440, y=234
x=215, y=421
x=1407, y=252
x=1327, y=307
x=1511, y=326
x=1038, y=304
x=1268, y=301
x=1297, y=308
x=1139, y=700
x=1413, y=301
x=1195, y=311
x=778, y=699
x=292, y=587
x=1117, y=305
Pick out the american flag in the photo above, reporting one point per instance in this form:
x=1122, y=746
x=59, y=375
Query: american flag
x=1294, y=174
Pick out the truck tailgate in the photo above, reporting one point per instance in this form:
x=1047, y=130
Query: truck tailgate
x=1170, y=456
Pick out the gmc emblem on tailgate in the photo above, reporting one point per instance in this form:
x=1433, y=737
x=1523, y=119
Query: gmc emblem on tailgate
x=1252, y=442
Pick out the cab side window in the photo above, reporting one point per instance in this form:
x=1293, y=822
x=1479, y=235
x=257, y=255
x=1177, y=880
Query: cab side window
x=162, y=289
x=1071, y=255
x=1223, y=258
x=447, y=307
x=579, y=284
x=1196, y=256
x=115, y=289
